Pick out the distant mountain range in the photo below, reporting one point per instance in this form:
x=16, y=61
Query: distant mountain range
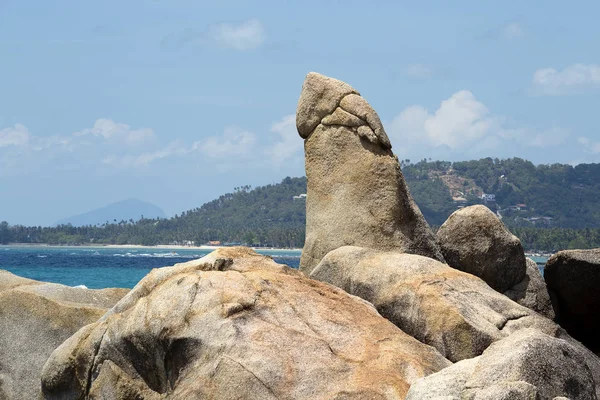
x=125, y=210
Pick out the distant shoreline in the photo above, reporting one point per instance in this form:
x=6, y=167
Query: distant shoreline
x=138, y=246
x=181, y=247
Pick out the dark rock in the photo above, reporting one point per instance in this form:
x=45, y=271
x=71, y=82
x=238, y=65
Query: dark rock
x=573, y=279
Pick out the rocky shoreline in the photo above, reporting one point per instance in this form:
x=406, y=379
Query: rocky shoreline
x=381, y=308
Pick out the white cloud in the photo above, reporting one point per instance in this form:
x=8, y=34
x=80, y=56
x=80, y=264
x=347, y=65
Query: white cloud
x=145, y=159
x=17, y=135
x=590, y=146
x=462, y=124
x=289, y=146
x=419, y=71
x=459, y=121
x=245, y=36
x=512, y=30
x=234, y=142
x=116, y=131
x=572, y=78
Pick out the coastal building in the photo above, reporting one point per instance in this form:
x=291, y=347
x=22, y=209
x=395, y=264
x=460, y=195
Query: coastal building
x=300, y=197
x=488, y=197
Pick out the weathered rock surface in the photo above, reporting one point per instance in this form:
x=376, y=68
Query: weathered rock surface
x=531, y=292
x=236, y=325
x=573, y=279
x=455, y=312
x=527, y=365
x=356, y=191
x=474, y=240
x=35, y=318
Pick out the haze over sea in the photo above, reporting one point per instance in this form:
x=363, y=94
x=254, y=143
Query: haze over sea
x=102, y=267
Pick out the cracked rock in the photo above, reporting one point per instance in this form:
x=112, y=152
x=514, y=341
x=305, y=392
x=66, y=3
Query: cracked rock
x=528, y=365
x=455, y=312
x=531, y=292
x=247, y=328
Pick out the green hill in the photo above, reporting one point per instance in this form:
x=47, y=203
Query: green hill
x=548, y=206
x=525, y=195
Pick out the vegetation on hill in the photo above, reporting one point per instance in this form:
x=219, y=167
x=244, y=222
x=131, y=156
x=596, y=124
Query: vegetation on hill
x=550, y=207
x=526, y=195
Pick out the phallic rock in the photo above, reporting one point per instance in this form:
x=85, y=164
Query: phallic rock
x=356, y=191
x=474, y=240
x=455, y=312
x=573, y=279
x=237, y=325
x=527, y=365
x=35, y=318
x=531, y=292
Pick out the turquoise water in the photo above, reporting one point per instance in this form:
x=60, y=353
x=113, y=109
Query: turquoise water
x=98, y=268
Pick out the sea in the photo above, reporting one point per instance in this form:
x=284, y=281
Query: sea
x=103, y=267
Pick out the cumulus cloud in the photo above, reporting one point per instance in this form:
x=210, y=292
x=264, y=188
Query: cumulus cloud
x=458, y=121
x=234, y=142
x=174, y=148
x=247, y=35
x=111, y=130
x=464, y=125
x=576, y=77
x=288, y=146
x=17, y=135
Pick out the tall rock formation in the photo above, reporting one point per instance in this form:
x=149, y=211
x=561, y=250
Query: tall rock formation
x=356, y=191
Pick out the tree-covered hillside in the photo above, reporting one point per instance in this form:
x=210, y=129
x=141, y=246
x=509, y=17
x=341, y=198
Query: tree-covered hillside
x=549, y=207
x=526, y=195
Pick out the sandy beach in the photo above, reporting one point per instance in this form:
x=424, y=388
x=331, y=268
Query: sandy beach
x=138, y=246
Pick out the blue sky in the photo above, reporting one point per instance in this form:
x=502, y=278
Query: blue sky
x=176, y=102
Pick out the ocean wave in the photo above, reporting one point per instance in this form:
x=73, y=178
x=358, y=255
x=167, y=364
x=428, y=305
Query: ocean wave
x=157, y=255
x=42, y=256
x=80, y=287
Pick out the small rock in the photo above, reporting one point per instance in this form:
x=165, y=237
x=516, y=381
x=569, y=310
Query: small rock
x=474, y=240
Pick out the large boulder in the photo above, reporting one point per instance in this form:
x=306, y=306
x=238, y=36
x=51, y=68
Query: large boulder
x=35, y=318
x=455, y=312
x=573, y=279
x=531, y=292
x=356, y=191
x=527, y=365
x=474, y=240
x=237, y=325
